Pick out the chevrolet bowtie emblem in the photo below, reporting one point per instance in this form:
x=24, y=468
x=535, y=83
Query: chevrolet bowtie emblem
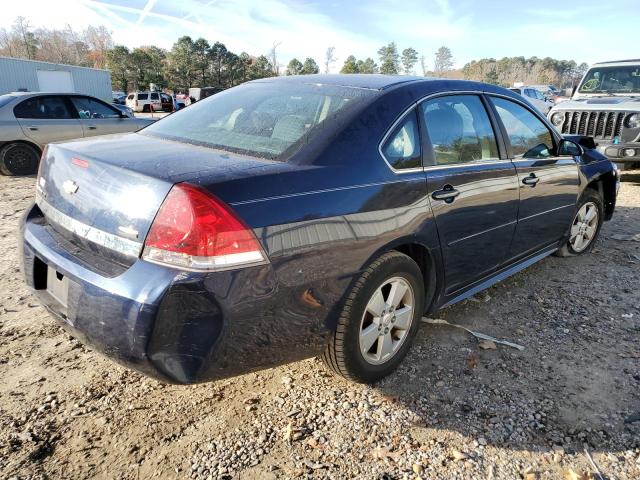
x=70, y=187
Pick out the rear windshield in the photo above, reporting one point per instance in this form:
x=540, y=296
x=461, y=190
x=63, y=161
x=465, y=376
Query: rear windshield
x=263, y=119
x=143, y=96
x=4, y=99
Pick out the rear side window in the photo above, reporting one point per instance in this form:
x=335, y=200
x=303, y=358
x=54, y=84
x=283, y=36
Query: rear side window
x=154, y=96
x=402, y=148
x=143, y=96
x=529, y=136
x=91, y=108
x=459, y=129
x=42, y=108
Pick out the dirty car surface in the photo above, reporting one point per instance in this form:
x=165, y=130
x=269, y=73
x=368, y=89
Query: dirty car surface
x=293, y=217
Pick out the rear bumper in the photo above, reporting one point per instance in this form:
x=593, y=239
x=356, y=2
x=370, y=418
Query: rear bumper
x=180, y=327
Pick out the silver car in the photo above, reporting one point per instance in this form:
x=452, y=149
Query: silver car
x=28, y=121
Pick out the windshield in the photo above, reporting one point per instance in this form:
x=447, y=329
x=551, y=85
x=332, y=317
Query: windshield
x=4, y=99
x=624, y=79
x=266, y=119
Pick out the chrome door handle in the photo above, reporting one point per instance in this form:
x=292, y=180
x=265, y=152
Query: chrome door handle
x=531, y=180
x=91, y=127
x=448, y=194
x=33, y=128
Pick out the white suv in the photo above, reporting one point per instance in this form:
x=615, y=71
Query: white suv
x=144, y=101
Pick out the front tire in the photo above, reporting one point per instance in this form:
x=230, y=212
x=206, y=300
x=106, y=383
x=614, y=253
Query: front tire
x=379, y=320
x=19, y=159
x=586, y=225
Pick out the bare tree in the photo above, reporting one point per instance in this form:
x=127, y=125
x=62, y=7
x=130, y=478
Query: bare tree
x=273, y=58
x=29, y=44
x=329, y=58
x=423, y=65
x=443, y=61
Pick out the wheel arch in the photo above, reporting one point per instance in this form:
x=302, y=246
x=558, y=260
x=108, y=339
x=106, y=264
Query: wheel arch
x=605, y=186
x=24, y=142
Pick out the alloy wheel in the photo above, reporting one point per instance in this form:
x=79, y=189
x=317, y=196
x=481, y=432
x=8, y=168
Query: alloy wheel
x=386, y=320
x=584, y=228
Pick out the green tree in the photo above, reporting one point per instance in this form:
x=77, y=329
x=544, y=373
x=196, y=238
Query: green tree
x=295, y=67
x=260, y=68
x=350, y=65
x=218, y=55
x=409, y=59
x=443, y=61
x=118, y=62
x=310, y=67
x=201, y=60
x=181, y=64
x=389, y=59
x=367, y=66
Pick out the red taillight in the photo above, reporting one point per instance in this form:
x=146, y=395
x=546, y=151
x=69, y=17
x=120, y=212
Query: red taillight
x=195, y=230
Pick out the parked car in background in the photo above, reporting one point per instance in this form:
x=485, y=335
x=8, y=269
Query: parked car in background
x=307, y=215
x=119, y=98
x=144, y=101
x=606, y=106
x=29, y=121
x=535, y=97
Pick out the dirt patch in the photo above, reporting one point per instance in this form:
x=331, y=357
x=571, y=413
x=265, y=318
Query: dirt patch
x=453, y=410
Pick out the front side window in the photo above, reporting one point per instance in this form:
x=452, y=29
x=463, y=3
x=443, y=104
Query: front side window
x=42, y=108
x=459, y=129
x=402, y=147
x=264, y=119
x=154, y=96
x=529, y=136
x=90, y=108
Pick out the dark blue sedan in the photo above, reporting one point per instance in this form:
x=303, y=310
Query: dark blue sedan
x=301, y=216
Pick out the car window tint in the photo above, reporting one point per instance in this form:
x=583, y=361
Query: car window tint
x=143, y=96
x=42, y=107
x=459, y=129
x=402, y=147
x=91, y=108
x=529, y=136
x=154, y=96
x=261, y=119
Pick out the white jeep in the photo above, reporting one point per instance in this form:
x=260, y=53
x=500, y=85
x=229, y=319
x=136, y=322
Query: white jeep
x=606, y=106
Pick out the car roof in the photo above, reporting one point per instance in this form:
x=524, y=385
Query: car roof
x=619, y=62
x=353, y=80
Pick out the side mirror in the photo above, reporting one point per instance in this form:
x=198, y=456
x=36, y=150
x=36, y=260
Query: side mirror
x=567, y=148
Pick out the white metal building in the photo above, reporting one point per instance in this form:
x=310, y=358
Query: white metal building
x=17, y=74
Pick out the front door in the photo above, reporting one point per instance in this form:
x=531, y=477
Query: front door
x=548, y=183
x=98, y=118
x=473, y=192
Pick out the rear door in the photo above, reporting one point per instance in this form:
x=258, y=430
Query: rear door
x=472, y=186
x=98, y=118
x=548, y=183
x=47, y=118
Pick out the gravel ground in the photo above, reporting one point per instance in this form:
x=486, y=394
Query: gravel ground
x=453, y=410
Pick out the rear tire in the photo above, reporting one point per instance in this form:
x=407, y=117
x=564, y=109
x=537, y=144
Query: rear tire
x=146, y=109
x=366, y=347
x=586, y=225
x=19, y=159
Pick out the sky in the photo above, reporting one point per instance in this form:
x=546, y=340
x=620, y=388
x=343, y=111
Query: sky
x=589, y=32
